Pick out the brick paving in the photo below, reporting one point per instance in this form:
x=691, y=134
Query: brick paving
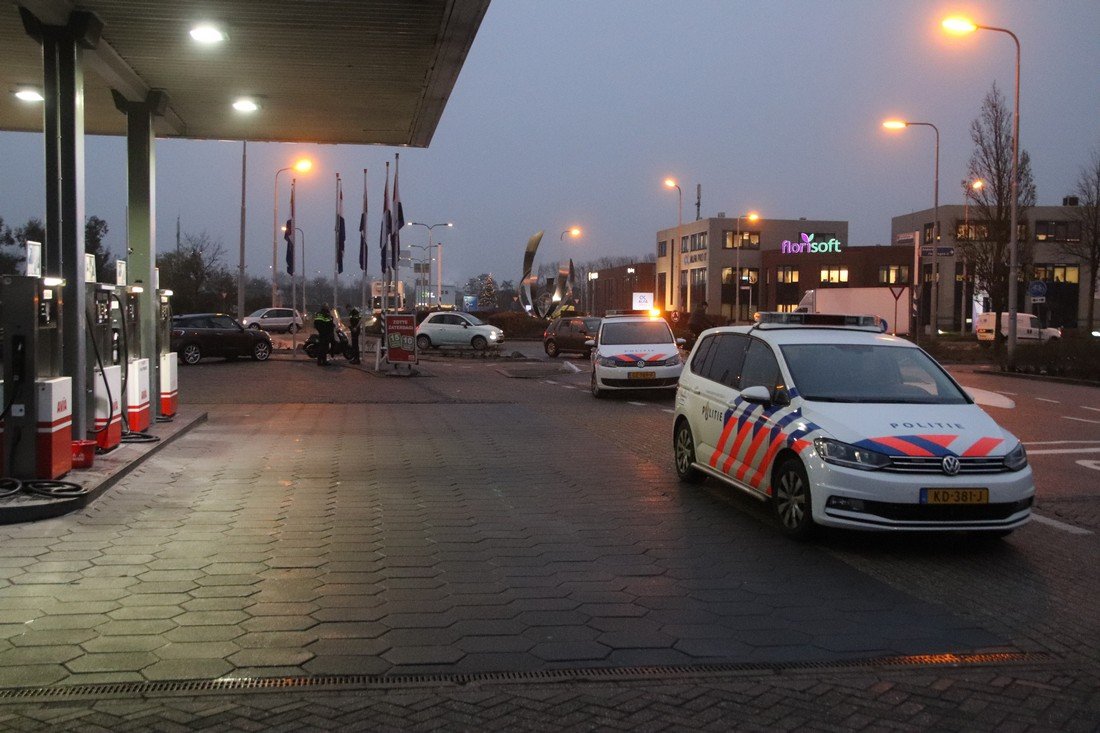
x=462, y=523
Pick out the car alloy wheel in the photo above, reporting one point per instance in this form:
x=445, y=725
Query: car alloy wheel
x=551, y=349
x=596, y=391
x=792, y=500
x=423, y=342
x=191, y=354
x=683, y=450
x=293, y=329
x=254, y=326
x=479, y=343
x=261, y=351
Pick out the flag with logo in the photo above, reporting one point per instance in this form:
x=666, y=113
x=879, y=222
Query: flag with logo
x=341, y=234
x=387, y=224
x=398, y=214
x=363, y=227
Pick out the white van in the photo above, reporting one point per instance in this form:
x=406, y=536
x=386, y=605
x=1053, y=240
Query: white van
x=1028, y=328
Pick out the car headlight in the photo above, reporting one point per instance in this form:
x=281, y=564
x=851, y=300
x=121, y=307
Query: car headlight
x=673, y=361
x=607, y=361
x=493, y=335
x=1016, y=459
x=845, y=454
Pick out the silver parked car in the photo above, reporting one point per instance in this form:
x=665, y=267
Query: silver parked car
x=274, y=319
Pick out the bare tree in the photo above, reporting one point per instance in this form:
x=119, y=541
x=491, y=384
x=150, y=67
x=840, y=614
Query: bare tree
x=991, y=162
x=1087, y=213
x=192, y=273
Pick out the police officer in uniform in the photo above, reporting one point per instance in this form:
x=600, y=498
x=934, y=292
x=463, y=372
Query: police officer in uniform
x=326, y=329
x=353, y=325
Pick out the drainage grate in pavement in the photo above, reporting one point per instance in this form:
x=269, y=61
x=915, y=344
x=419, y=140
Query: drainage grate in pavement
x=261, y=684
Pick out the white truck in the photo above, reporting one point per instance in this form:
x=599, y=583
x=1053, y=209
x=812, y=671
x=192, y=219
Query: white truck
x=890, y=303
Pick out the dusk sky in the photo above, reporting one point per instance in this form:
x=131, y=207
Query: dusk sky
x=573, y=112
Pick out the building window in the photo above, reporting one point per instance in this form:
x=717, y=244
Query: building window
x=662, y=285
x=928, y=233
x=786, y=274
x=1058, y=273
x=892, y=274
x=684, y=244
x=786, y=307
x=1057, y=231
x=971, y=231
x=662, y=249
x=703, y=240
x=824, y=236
x=749, y=240
x=834, y=274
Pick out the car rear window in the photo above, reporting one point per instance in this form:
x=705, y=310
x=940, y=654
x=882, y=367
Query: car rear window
x=636, y=332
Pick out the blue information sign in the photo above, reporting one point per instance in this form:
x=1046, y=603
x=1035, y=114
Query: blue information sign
x=1036, y=288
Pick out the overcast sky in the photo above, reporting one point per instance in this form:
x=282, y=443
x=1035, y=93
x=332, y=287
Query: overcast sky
x=573, y=112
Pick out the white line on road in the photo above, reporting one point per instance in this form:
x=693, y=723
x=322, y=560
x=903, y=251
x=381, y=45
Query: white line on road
x=549, y=381
x=638, y=404
x=1058, y=442
x=572, y=367
x=1082, y=419
x=1059, y=451
x=670, y=412
x=1094, y=409
x=1044, y=399
x=1058, y=525
x=568, y=386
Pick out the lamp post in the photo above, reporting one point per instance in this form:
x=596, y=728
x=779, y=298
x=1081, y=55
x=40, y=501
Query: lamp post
x=592, y=276
x=961, y=26
x=301, y=166
x=303, y=240
x=751, y=216
x=934, y=308
x=430, y=227
x=968, y=187
x=673, y=251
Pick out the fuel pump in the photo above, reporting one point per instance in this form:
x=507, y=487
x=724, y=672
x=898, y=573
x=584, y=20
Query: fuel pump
x=169, y=382
x=136, y=402
x=104, y=365
x=36, y=414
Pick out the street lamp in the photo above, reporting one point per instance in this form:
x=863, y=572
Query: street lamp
x=430, y=227
x=960, y=26
x=592, y=276
x=752, y=216
x=673, y=251
x=968, y=187
x=934, y=310
x=302, y=166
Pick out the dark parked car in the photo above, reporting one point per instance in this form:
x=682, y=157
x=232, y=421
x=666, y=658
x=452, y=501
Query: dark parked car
x=569, y=334
x=198, y=335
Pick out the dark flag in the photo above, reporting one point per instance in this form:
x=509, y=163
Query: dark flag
x=363, y=227
x=288, y=235
x=398, y=214
x=341, y=233
x=387, y=225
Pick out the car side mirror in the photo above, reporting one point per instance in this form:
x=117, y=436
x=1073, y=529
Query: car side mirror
x=590, y=343
x=681, y=341
x=756, y=394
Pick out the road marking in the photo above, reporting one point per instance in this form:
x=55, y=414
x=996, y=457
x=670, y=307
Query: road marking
x=1094, y=465
x=568, y=386
x=1058, y=451
x=638, y=404
x=1044, y=399
x=1094, y=409
x=1082, y=419
x=572, y=367
x=549, y=381
x=1058, y=442
x=1058, y=525
x=670, y=412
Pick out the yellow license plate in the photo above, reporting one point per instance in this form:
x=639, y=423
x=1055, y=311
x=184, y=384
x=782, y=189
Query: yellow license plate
x=642, y=375
x=954, y=496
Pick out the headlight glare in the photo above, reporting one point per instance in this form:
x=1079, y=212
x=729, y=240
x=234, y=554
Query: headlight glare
x=845, y=454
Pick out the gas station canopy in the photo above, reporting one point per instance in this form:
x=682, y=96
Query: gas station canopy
x=320, y=71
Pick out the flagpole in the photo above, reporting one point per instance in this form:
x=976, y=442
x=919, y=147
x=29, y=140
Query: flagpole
x=335, y=255
x=395, y=232
x=384, y=245
x=293, y=235
x=363, y=249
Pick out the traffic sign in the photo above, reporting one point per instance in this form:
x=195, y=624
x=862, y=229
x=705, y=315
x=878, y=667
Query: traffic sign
x=1036, y=288
x=942, y=251
x=1039, y=299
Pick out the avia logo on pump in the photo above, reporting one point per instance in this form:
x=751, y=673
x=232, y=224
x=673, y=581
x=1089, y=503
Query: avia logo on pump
x=62, y=406
x=809, y=246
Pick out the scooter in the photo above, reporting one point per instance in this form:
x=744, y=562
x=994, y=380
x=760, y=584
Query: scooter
x=341, y=346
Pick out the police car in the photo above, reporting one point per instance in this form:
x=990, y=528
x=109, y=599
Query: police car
x=634, y=351
x=838, y=424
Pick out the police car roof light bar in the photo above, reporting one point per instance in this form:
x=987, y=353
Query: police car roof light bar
x=863, y=323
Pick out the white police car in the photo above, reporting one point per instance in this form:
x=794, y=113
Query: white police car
x=838, y=424
x=635, y=352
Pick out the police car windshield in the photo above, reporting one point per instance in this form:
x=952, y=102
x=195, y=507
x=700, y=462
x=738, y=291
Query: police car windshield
x=636, y=332
x=869, y=373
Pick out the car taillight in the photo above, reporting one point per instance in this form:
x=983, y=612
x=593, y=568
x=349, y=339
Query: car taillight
x=177, y=332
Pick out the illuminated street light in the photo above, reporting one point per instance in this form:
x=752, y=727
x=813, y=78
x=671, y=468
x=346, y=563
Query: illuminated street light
x=302, y=166
x=439, y=258
x=958, y=25
x=933, y=315
x=673, y=286
x=573, y=232
x=208, y=34
x=28, y=94
x=752, y=216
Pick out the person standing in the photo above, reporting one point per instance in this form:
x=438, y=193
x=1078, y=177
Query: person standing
x=354, y=320
x=325, y=327
x=698, y=321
